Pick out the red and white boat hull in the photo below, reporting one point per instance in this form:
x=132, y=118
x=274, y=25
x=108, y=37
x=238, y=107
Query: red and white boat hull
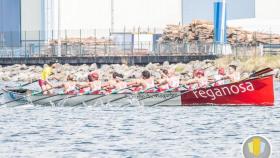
x=253, y=92
x=256, y=92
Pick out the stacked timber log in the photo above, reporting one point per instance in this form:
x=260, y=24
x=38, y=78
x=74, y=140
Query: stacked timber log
x=73, y=46
x=203, y=31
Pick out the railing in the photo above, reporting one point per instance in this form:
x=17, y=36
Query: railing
x=146, y=49
x=92, y=43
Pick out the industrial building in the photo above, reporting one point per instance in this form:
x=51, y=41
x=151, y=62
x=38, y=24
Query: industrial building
x=35, y=19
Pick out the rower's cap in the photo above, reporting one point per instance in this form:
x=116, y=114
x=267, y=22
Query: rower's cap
x=94, y=75
x=199, y=72
x=221, y=71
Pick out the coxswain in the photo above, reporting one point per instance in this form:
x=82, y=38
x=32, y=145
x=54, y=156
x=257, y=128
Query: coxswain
x=145, y=84
x=44, y=82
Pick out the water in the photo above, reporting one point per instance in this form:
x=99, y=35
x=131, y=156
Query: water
x=195, y=132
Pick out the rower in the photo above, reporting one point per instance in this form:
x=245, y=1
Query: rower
x=169, y=81
x=145, y=84
x=174, y=80
x=163, y=83
x=233, y=74
x=69, y=87
x=93, y=85
x=218, y=79
x=44, y=82
x=199, y=80
x=115, y=84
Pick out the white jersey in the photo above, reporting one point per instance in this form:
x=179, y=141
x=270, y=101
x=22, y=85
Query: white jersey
x=149, y=83
x=174, y=82
x=219, y=80
x=96, y=85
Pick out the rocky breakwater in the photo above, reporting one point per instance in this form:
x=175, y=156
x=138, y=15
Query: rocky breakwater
x=23, y=73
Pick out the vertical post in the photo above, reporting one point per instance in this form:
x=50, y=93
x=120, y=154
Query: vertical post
x=1, y=39
x=270, y=41
x=95, y=41
x=66, y=43
x=58, y=30
x=53, y=46
x=138, y=38
x=25, y=44
x=80, y=42
x=108, y=44
x=124, y=42
x=39, y=43
x=11, y=43
x=255, y=42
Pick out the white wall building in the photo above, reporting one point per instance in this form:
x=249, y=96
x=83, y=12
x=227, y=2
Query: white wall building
x=267, y=18
x=98, y=14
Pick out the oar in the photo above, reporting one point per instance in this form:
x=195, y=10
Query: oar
x=88, y=93
x=153, y=95
x=116, y=92
x=26, y=84
x=143, y=91
x=261, y=72
x=101, y=96
x=123, y=97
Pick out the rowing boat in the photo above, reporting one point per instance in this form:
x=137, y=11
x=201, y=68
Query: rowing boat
x=252, y=92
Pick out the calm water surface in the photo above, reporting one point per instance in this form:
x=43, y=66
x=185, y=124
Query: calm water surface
x=195, y=132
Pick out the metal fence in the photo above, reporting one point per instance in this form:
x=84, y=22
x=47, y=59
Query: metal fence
x=93, y=43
